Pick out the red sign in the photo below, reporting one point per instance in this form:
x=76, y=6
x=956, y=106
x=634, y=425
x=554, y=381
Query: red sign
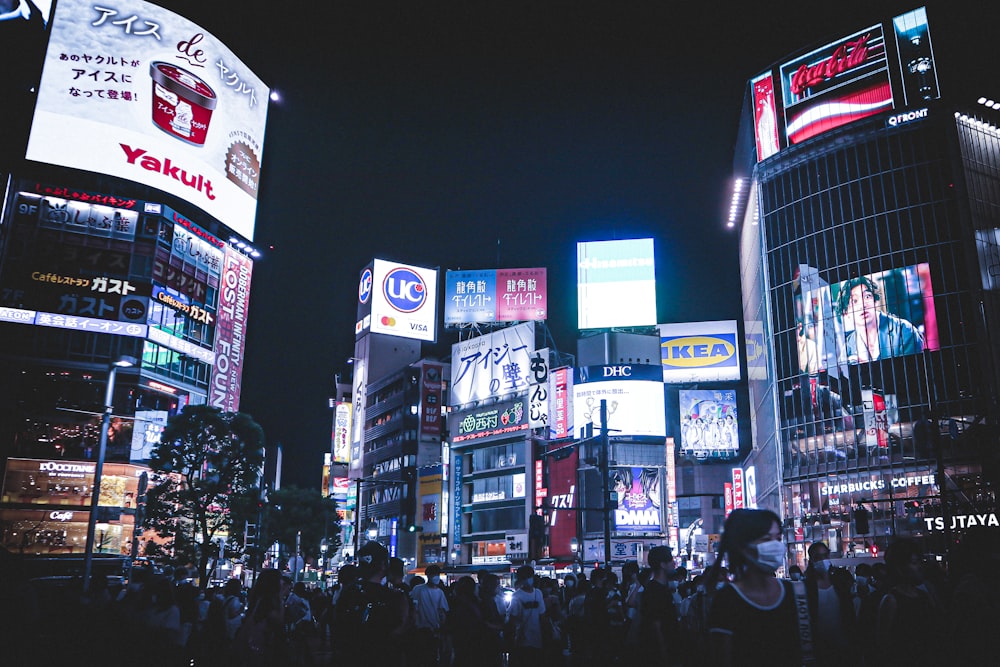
x=562, y=499
x=846, y=56
x=738, y=488
x=561, y=391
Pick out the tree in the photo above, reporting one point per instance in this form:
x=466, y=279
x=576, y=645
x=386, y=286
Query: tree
x=205, y=458
x=291, y=510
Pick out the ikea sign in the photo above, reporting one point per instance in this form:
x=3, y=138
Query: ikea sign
x=699, y=352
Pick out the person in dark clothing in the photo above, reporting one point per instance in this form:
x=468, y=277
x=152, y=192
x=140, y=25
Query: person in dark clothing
x=657, y=611
x=831, y=608
x=467, y=625
x=909, y=621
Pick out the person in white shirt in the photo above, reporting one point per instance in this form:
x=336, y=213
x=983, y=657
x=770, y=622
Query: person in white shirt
x=526, y=609
x=430, y=614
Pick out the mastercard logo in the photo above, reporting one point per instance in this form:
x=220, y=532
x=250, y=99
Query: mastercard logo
x=388, y=321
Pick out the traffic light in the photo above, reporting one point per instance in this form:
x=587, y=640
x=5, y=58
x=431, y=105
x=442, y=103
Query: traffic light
x=873, y=550
x=861, y=516
x=413, y=528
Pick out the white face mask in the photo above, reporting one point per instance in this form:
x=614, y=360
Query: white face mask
x=822, y=566
x=770, y=555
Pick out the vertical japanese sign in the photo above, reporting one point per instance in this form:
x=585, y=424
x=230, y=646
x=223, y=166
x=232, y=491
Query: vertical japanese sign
x=541, y=492
x=342, y=432
x=456, y=503
x=562, y=504
x=230, y=330
x=132, y=90
x=673, y=511
x=561, y=410
x=728, y=497
x=765, y=116
x=738, y=490
x=538, y=389
x=430, y=402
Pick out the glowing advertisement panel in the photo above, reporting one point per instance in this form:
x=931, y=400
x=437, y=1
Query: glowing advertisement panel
x=134, y=91
x=875, y=316
x=837, y=84
x=492, y=365
x=342, y=432
x=616, y=284
x=404, y=301
x=634, y=396
x=561, y=403
x=916, y=57
x=562, y=501
x=765, y=118
x=709, y=424
x=230, y=331
x=699, y=351
x=495, y=295
x=639, y=501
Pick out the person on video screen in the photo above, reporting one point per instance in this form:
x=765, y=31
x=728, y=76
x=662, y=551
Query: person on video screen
x=875, y=333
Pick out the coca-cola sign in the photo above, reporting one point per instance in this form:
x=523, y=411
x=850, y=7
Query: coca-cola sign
x=848, y=55
x=837, y=84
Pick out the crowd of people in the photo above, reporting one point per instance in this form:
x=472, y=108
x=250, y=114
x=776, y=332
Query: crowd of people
x=907, y=610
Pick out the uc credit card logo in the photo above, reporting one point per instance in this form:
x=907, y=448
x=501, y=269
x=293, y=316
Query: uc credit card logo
x=365, y=286
x=699, y=351
x=404, y=290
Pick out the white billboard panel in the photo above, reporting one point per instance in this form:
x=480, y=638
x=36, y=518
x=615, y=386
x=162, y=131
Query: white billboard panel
x=616, y=284
x=404, y=301
x=134, y=91
x=492, y=365
x=634, y=396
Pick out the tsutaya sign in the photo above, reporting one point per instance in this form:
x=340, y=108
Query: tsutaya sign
x=960, y=521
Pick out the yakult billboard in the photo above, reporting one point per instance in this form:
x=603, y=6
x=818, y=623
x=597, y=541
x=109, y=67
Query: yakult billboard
x=134, y=91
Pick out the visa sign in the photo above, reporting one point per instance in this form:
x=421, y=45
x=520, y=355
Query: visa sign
x=405, y=302
x=699, y=352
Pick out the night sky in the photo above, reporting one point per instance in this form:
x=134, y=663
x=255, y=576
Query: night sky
x=484, y=135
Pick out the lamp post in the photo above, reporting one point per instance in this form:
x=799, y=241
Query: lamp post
x=372, y=531
x=574, y=547
x=95, y=496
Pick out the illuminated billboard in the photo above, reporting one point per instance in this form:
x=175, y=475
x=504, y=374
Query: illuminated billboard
x=709, y=425
x=866, y=318
x=230, y=331
x=765, y=116
x=342, y=432
x=562, y=499
x=639, y=502
x=634, y=396
x=495, y=295
x=699, y=351
x=403, y=300
x=840, y=83
x=492, y=365
x=916, y=56
x=135, y=91
x=616, y=284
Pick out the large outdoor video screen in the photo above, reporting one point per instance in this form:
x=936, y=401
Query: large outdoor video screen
x=866, y=318
x=616, y=284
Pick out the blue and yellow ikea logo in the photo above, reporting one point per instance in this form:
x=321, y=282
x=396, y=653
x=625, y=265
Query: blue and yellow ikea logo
x=699, y=351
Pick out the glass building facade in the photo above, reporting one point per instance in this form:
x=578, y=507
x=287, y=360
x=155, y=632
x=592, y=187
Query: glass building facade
x=866, y=255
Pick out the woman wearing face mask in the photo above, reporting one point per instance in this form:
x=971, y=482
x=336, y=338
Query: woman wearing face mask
x=753, y=620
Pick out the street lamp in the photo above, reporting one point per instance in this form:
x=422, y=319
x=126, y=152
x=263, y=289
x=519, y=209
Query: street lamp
x=454, y=556
x=372, y=531
x=95, y=495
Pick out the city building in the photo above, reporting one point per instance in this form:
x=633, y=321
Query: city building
x=126, y=233
x=866, y=199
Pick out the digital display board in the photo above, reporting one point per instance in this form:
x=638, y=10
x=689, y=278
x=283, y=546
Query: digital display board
x=870, y=317
x=765, y=116
x=639, y=500
x=616, y=284
x=709, y=425
x=634, y=396
x=404, y=300
x=132, y=90
x=842, y=82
